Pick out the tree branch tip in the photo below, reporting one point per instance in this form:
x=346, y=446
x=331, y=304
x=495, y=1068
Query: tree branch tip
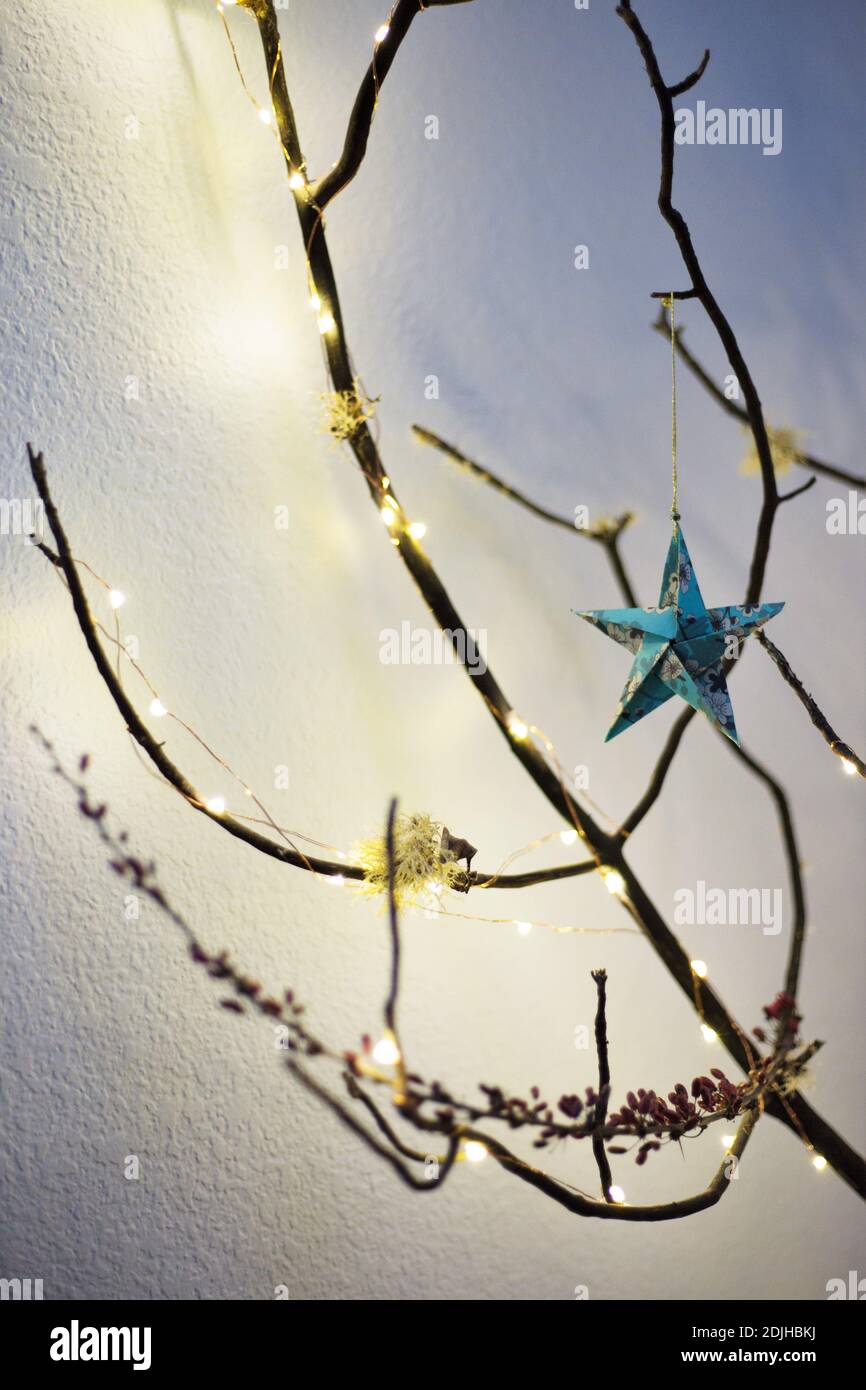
x=692, y=79
x=787, y=496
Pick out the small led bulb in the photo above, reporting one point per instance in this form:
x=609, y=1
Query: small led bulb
x=709, y=1033
x=327, y=323
x=417, y=530
x=568, y=837
x=613, y=881
x=699, y=968
x=819, y=1162
x=265, y=116
x=849, y=767
x=386, y=1052
x=516, y=727
x=296, y=179
x=389, y=513
x=382, y=32
x=524, y=928
x=157, y=709
x=116, y=598
x=216, y=805
x=616, y=1193
x=474, y=1151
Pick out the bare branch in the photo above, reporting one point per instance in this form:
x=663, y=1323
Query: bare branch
x=594, y=533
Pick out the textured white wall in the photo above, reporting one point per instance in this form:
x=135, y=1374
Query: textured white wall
x=154, y=258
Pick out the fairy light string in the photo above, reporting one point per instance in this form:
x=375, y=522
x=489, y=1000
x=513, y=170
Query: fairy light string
x=554, y=927
x=197, y=800
x=327, y=313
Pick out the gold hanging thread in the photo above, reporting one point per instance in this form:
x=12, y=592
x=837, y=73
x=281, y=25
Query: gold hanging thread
x=669, y=304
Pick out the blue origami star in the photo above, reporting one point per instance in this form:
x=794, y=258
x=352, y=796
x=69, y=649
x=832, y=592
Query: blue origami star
x=679, y=646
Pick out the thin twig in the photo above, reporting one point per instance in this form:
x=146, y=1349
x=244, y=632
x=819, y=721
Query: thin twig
x=825, y=729
x=384, y=1150
x=692, y=78
x=416, y=1155
x=797, y=491
x=828, y=470
x=677, y=294
x=606, y=532
x=394, y=987
x=660, y=772
x=325, y=189
x=598, y=1148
